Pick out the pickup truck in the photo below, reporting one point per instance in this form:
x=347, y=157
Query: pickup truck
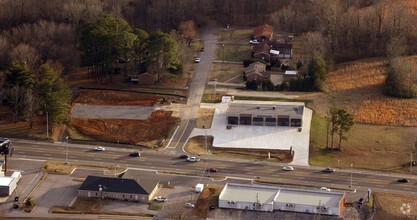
x=160, y=199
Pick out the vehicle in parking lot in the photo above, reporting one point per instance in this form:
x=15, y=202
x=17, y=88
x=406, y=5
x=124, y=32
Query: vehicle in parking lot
x=288, y=168
x=184, y=156
x=325, y=189
x=197, y=60
x=212, y=207
x=99, y=148
x=189, y=205
x=211, y=170
x=134, y=154
x=160, y=199
x=403, y=180
x=193, y=159
x=361, y=201
x=328, y=170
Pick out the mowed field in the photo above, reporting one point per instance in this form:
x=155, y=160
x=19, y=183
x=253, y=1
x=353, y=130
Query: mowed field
x=385, y=127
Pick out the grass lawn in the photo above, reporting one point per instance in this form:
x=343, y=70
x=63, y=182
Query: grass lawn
x=204, y=118
x=226, y=72
x=207, y=198
x=392, y=206
x=233, y=52
x=58, y=167
x=235, y=35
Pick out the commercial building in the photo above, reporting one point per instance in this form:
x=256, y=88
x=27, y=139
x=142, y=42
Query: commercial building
x=288, y=114
x=118, y=188
x=271, y=198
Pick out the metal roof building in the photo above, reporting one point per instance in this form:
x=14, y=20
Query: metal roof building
x=271, y=198
x=289, y=114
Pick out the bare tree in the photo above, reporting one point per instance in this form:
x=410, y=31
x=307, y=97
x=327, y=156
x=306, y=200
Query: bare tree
x=188, y=31
x=25, y=55
x=314, y=44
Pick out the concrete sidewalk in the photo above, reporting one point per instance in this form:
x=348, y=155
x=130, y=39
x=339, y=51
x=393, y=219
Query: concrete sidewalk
x=260, y=137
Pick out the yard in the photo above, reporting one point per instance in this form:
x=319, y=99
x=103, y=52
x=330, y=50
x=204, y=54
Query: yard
x=227, y=73
x=233, y=52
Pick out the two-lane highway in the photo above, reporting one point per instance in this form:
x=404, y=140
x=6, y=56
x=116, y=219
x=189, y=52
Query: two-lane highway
x=265, y=171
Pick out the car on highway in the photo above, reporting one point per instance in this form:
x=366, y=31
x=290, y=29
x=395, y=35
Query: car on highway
x=100, y=148
x=254, y=42
x=212, y=170
x=328, y=170
x=325, y=189
x=134, y=154
x=184, y=156
x=197, y=60
x=403, y=180
x=160, y=199
x=202, y=49
x=288, y=168
x=193, y=159
x=189, y=205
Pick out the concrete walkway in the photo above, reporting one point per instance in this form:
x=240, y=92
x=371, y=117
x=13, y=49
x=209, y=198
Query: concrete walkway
x=260, y=137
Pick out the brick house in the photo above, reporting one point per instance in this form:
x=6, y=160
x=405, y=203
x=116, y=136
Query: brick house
x=256, y=71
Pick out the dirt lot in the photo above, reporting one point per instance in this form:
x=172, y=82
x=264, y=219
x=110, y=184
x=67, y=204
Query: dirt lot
x=145, y=132
x=395, y=206
x=116, y=98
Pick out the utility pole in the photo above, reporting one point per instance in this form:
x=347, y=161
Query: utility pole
x=66, y=151
x=47, y=124
x=351, y=187
x=214, y=88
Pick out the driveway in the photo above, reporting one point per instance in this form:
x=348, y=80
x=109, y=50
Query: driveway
x=259, y=137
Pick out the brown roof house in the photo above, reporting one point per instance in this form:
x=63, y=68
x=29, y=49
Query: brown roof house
x=147, y=78
x=256, y=71
x=118, y=188
x=261, y=52
x=263, y=32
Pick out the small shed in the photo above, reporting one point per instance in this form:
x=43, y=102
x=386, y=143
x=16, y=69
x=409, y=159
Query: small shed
x=147, y=78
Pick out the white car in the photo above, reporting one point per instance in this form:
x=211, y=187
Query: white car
x=197, y=60
x=254, y=42
x=160, y=199
x=100, y=148
x=325, y=189
x=189, y=205
x=288, y=168
x=193, y=159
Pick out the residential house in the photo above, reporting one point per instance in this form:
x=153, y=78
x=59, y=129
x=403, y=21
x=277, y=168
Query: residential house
x=256, y=71
x=118, y=188
x=285, y=50
x=261, y=52
x=263, y=32
x=147, y=78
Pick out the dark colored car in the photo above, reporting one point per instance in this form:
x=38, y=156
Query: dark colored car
x=211, y=170
x=212, y=207
x=328, y=170
x=403, y=180
x=202, y=49
x=361, y=201
x=184, y=156
x=134, y=154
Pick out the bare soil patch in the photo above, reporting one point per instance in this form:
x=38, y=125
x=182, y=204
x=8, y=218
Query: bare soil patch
x=204, y=117
x=156, y=127
x=395, y=206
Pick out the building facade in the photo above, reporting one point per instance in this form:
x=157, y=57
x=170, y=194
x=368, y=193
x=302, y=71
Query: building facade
x=271, y=198
x=118, y=188
x=265, y=113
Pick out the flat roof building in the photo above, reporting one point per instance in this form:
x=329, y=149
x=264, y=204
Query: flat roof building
x=289, y=114
x=272, y=198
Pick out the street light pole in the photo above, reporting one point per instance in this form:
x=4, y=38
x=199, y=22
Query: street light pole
x=66, y=151
x=351, y=187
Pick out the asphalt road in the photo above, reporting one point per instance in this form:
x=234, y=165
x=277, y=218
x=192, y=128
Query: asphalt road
x=196, y=89
x=230, y=168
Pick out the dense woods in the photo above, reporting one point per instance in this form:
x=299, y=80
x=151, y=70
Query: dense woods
x=35, y=32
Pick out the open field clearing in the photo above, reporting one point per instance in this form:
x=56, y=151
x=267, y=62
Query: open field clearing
x=236, y=35
x=395, y=206
x=227, y=72
x=233, y=52
x=116, y=98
